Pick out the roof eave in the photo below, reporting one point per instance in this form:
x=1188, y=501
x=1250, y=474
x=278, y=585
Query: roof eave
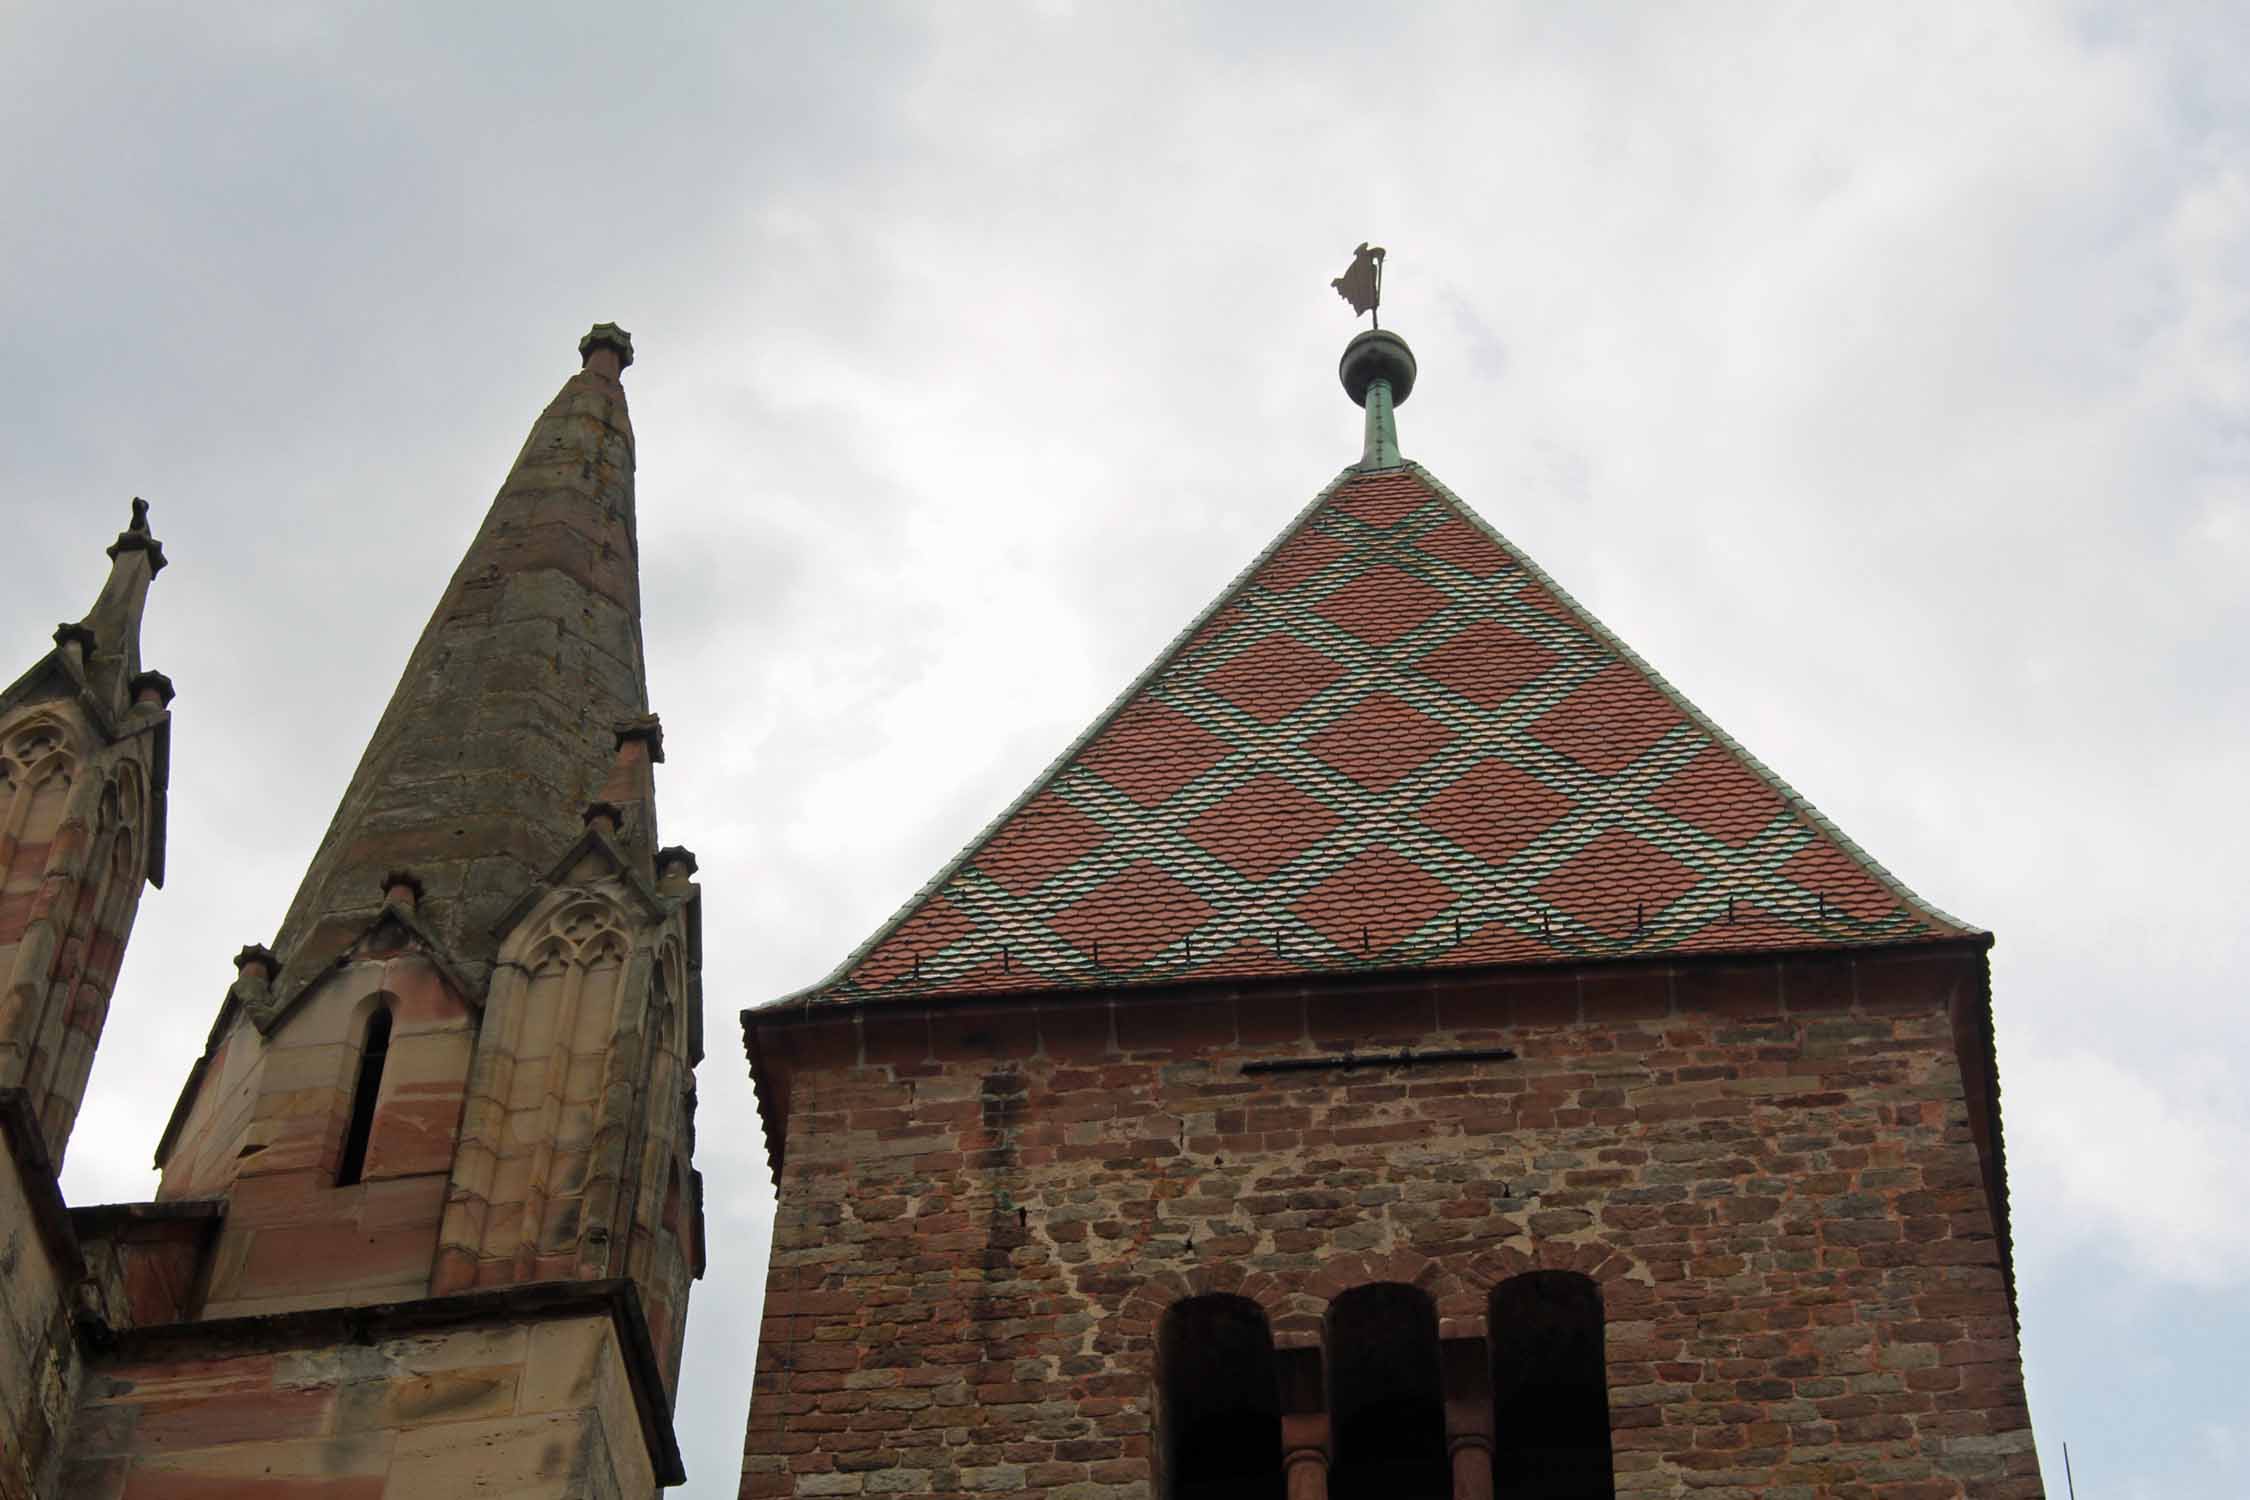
x=769, y=1085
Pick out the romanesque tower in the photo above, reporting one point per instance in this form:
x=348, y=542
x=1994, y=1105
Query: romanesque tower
x=428, y=1216
x=1403, y=1048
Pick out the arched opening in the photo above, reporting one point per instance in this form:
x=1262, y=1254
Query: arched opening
x=1220, y=1405
x=1550, y=1389
x=372, y=1052
x=1386, y=1396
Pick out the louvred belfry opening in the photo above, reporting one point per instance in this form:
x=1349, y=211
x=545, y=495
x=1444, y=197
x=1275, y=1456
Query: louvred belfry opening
x=1392, y=743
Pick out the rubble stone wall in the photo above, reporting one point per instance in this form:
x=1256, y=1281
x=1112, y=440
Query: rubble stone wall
x=1771, y=1171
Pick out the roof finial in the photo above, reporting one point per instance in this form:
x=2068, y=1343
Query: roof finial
x=1378, y=368
x=606, y=349
x=113, y=625
x=136, y=538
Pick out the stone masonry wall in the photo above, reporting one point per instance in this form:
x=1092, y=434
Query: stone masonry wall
x=39, y=1363
x=1769, y=1169
x=543, y=1412
x=267, y=1127
x=74, y=824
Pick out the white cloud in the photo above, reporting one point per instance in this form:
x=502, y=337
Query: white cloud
x=2146, y=1171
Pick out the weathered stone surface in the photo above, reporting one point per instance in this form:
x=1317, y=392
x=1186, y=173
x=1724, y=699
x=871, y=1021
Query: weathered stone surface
x=500, y=729
x=543, y=1410
x=40, y=1366
x=535, y=1127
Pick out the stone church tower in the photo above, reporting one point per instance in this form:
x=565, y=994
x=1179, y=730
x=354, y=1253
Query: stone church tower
x=428, y=1216
x=1403, y=1048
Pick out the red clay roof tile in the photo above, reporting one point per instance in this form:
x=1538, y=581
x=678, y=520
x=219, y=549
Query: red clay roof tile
x=1260, y=828
x=1273, y=677
x=1379, y=740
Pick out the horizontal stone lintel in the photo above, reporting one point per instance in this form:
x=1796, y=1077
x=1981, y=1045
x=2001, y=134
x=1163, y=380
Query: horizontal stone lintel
x=98, y=1219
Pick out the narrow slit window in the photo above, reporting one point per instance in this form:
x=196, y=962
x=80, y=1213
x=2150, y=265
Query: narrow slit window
x=371, y=1055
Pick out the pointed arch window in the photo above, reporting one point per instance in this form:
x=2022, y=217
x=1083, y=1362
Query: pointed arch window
x=1386, y=1396
x=1219, y=1417
x=372, y=1053
x=1550, y=1389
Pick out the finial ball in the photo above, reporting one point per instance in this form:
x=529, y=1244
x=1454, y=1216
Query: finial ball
x=1377, y=354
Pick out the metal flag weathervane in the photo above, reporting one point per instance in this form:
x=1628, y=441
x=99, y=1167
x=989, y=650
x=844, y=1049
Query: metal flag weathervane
x=1362, y=283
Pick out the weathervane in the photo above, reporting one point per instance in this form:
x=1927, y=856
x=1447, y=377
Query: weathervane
x=1362, y=283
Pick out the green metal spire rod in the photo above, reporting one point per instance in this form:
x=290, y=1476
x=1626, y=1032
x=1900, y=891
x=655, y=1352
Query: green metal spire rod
x=1378, y=373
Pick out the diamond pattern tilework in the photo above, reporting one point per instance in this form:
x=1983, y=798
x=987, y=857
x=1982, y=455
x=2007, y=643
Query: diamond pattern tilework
x=1391, y=746
x=1380, y=740
x=1495, y=810
x=1464, y=546
x=1134, y=916
x=1293, y=565
x=1546, y=603
x=1381, y=604
x=1047, y=837
x=1155, y=752
x=935, y=926
x=1379, y=505
x=1276, y=675
x=1837, y=879
x=1721, y=796
x=1488, y=662
x=1617, y=884
x=1374, y=903
x=1263, y=826
x=1610, y=721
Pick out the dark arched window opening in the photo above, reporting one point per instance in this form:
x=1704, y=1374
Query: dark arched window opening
x=371, y=1055
x=1219, y=1413
x=1386, y=1396
x=1550, y=1390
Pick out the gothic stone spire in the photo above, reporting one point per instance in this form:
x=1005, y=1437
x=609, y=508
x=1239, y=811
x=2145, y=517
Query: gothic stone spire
x=467, y=1061
x=504, y=724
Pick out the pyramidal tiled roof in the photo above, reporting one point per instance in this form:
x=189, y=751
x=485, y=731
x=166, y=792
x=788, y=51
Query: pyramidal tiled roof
x=1392, y=744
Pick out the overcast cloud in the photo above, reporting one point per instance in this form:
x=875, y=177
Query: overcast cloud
x=1882, y=373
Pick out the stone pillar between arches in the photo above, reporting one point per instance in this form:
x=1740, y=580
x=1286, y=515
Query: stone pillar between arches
x=1467, y=1367
x=1306, y=1467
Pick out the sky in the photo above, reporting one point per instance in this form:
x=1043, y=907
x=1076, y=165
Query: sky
x=1881, y=373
